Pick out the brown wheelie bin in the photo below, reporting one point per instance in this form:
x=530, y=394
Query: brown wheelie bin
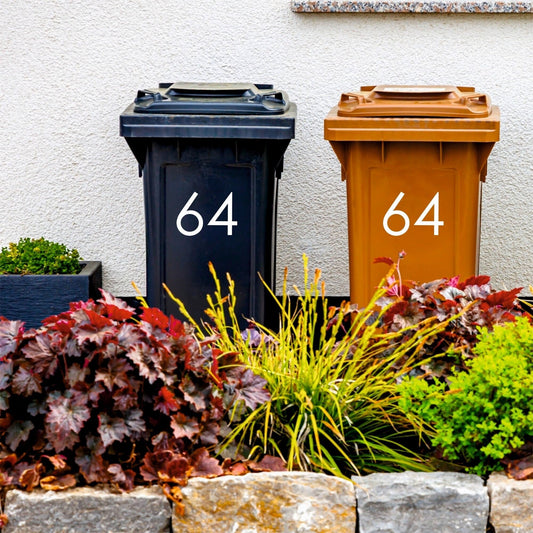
x=413, y=158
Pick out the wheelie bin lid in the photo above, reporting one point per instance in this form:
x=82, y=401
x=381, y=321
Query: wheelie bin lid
x=230, y=110
x=414, y=112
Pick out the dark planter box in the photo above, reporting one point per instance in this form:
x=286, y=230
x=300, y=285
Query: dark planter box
x=32, y=298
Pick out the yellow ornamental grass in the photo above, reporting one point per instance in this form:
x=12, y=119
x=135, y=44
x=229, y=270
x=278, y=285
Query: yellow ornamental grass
x=333, y=382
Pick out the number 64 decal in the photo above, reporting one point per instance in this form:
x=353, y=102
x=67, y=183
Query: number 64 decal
x=420, y=221
x=186, y=211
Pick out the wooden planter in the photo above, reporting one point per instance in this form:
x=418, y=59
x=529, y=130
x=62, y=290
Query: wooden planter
x=32, y=298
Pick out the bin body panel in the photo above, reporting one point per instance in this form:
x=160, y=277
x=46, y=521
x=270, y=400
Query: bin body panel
x=210, y=202
x=389, y=188
x=413, y=159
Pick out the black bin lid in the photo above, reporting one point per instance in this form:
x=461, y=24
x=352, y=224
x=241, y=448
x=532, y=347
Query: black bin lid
x=212, y=99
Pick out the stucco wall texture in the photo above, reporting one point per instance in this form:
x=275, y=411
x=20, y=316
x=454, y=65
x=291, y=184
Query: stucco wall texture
x=68, y=70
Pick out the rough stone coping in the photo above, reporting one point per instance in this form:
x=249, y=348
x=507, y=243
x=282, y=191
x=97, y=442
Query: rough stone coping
x=88, y=510
x=268, y=502
x=286, y=502
x=412, y=6
x=421, y=502
x=511, y=509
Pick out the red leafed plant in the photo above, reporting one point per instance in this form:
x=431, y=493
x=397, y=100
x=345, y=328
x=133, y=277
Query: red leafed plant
x=474, y=301
x=98, y=395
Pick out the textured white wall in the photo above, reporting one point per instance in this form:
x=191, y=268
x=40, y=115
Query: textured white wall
x=68, y=69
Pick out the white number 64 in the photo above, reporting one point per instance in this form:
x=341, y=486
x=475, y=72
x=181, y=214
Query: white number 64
x=420, y=221
x=215, y=220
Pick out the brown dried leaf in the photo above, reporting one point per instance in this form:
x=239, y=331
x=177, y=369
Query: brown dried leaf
x=173, y=493
x=123, y=479
x=234, y=468
x=165, y=466
x=58, y=462
x=58, y=482
x=520, y=469
x=203, y=465
x=31, y=476
x=268, y=463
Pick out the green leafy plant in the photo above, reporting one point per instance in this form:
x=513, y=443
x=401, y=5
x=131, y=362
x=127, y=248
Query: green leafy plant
x=486, y=415
x=334, y=402
x=38, y=256
x=98, y=395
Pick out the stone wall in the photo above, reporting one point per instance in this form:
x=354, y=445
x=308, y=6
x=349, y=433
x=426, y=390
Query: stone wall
x=287, y=502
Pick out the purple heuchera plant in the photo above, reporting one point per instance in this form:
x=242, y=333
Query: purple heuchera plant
x=475, y=302
x=98, y=395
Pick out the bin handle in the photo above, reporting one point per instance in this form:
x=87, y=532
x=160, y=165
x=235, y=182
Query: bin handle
x=275, y=96
x=476, y=98
x=353, y=97
x=414, y=92
x=146, y=94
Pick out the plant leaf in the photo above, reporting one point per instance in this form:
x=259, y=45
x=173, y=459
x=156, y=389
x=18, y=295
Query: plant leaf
x=252, y=389
x=166, y=466
x=203, y=465
x=115, y=308
x=184, y=426
x=66, y=481
x=268, y=463
x=115, y=374
x=521, y=468
x=65, y=419
x=123, y=479
x=111, y=429
x=90, y=460
x=386, y=260
x=6, y=371
x=209, y=433
x=504, y=298
x=134, y=422
x=17, y=432
x=166, y=401
x=144, y=357
x=26, y=382
x=155, y=317
x=10, y=335
x=40, y=352
x=31, y=476
x=193, y=393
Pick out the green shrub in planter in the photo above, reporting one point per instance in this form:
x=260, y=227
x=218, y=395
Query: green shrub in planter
x=486, y=413
x=39, y=278
x=38, y=256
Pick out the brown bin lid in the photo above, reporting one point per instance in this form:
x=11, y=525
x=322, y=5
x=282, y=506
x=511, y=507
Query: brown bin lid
x=424, y=113
x=415, y=101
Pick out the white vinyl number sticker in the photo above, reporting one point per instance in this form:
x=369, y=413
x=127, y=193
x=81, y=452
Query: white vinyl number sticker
x=216, y=219
x=422, y=220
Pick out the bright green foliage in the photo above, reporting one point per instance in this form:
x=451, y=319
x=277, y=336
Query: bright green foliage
x=334, y=401
x=38, y=256
x=488, y=410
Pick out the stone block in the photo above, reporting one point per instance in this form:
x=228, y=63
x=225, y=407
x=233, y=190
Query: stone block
x=421, y=502
x=87, y=510
x=511, y=504
x=268, y=502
